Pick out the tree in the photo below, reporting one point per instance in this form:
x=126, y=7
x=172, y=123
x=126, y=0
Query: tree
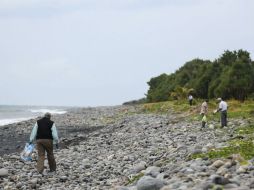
x=240, y=81
x=229, y=76
x=158, y=90
x=181, y=92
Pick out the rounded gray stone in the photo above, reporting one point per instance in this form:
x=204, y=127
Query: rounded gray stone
x=4, y=172
x=149, y=183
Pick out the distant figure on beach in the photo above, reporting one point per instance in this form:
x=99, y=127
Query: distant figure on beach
x=203, y=112
x=223, y=107
x=45, y=133
x=190, y=98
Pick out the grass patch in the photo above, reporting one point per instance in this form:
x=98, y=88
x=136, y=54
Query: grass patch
x=242, y=144
x=165, y=107
x=245, y=130
x=236, y=109
x=240, y=110
x=160, y=107
x=134, y=178
x=243, y=147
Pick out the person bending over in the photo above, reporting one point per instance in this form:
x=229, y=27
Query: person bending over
x=45, y=134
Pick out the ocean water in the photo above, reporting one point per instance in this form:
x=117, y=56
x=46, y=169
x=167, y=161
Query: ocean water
x=14, y=114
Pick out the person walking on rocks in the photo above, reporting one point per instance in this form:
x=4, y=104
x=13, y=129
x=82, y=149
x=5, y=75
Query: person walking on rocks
x=223, y=107
x=203, y=112
x=45, y=134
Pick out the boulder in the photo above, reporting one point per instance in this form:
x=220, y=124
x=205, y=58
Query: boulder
x=152, y=171
x=149, y=183
x=4, y=172
x=217, y=163
x=138, y=167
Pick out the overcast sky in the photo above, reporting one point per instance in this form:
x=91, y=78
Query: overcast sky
x=103, y=52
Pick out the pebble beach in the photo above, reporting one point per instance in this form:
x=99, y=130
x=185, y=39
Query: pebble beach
x=122, y=148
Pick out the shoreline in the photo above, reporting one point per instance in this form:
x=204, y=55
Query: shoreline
x=13, y=114
x=5, y=122
x=69, y=125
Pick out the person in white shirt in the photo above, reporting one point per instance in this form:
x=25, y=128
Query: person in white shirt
x=223, y=107
x=190, y=98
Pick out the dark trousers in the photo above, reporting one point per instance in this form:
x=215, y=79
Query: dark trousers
x=223, y=118
x=190, y=102
x=43, y=146
x=203, y=122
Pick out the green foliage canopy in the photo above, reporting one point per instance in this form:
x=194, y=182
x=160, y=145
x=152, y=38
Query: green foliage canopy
x=229, y=76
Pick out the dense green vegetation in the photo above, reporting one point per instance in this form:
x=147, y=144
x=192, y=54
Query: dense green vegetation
x=230, y=76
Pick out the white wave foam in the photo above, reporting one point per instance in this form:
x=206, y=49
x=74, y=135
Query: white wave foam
x=10, y=121
x=52, y=111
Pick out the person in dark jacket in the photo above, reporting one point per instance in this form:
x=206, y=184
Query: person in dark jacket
x=45, y=134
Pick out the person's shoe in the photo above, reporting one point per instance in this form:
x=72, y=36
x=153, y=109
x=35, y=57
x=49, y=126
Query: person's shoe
x=38, y=174
x=51, y=173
